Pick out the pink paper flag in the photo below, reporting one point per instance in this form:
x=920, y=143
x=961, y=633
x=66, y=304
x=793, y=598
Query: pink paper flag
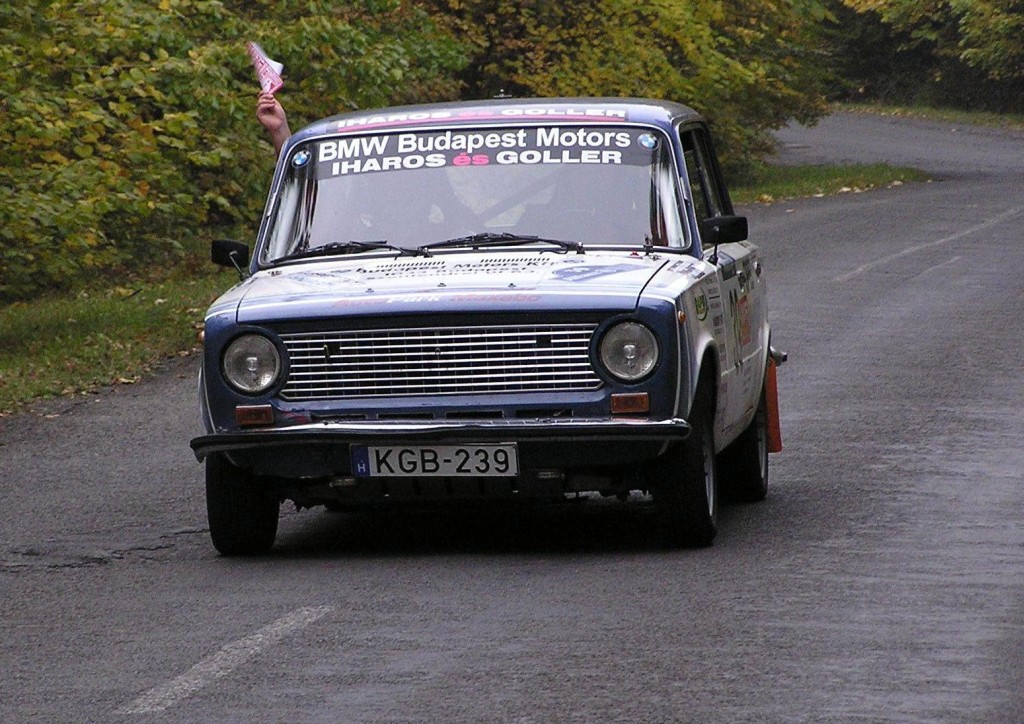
x=267, y=70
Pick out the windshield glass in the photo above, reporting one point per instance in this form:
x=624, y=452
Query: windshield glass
x=591, y=184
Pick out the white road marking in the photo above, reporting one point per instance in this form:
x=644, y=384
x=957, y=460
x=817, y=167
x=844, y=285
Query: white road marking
x=948, y=262
x=997, y=219
x=222, y=663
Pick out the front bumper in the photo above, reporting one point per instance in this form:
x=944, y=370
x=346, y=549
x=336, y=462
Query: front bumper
x=328, y=441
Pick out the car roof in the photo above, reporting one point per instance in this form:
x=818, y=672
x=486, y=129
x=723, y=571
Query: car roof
x=506, y=111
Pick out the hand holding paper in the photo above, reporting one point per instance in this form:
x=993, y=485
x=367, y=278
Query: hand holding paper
x=267, y=70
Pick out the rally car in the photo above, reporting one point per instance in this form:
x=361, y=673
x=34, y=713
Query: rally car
x=502, y=300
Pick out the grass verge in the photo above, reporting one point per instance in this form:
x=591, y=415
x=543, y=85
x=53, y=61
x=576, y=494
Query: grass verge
x=1011, y=121
x=74, y=345
x=773, y=183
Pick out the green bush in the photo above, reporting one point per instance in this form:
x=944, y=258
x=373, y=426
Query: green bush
x=129, y=136
x=748, y=66
x=963, y=54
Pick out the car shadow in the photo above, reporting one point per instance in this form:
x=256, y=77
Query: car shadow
x=591, y=525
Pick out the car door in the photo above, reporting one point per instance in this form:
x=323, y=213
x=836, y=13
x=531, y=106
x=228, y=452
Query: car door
x=744, y=341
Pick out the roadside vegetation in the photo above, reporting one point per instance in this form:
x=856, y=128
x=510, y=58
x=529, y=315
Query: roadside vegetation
x=775, y=183
x=74, y=344
x=129, y=139
x=1009, y=121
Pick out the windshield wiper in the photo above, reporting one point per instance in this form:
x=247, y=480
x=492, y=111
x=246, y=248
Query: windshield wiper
x=348, y=247
x=489, y=239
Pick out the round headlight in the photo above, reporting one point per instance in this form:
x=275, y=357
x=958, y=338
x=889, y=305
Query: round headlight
x=629, y=351
x=251, y=364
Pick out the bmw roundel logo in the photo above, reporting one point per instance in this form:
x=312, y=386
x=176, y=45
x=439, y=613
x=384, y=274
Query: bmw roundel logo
x=300, y=159
x=647, y=140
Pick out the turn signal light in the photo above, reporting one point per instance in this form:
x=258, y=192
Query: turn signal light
x=254, y=415
x=631, y=403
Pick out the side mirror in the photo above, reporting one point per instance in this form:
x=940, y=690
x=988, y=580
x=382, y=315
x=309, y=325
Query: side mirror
x=226, y=252
x=723, y=230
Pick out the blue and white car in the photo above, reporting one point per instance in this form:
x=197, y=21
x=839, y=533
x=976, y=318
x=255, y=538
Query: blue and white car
x=510, y=299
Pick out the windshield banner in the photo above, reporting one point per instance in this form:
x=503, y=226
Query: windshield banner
x=557, y=145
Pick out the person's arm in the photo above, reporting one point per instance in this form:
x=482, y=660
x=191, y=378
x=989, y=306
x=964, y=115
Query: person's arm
x=271, y=114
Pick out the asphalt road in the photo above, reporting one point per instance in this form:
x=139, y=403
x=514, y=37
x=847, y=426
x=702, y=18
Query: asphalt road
x=882, y=580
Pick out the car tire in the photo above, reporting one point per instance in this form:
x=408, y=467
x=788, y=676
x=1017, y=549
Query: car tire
x=744, y=464
x=243, y=517
x=686, y=493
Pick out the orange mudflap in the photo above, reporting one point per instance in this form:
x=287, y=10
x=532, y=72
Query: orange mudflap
x=771, y=392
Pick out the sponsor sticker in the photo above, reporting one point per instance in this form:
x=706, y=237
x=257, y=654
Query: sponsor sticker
x=393, y=120
x=556, y=145
x=701, y=303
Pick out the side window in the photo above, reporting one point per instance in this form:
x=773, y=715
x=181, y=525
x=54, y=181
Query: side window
x=707, y=200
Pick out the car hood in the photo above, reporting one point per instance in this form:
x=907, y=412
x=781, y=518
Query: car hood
x=464, y=282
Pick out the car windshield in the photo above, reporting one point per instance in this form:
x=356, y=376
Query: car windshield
x=595, y=185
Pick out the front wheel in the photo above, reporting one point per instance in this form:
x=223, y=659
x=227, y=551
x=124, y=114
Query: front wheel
x=243, y=517
x=686, y=491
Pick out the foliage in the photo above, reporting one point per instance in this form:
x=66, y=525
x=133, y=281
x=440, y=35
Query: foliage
x=953, y=52
x=128, y=129
x=991, y=33
x=128, y=137
x=984, y=34
x=873, y=60
x=748, y=66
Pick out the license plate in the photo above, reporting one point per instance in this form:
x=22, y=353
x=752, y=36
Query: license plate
x=420, y=461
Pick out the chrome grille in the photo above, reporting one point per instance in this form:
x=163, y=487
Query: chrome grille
x=439, y=361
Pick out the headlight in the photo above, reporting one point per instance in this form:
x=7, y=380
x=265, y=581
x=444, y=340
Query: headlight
x=251, y=364
x=629, y=351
